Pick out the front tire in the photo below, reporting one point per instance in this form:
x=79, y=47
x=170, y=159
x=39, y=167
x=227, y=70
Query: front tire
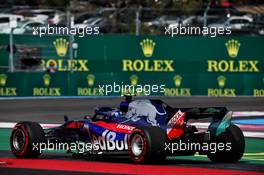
x=23, y=138
x=147, y=144
x=235, y=136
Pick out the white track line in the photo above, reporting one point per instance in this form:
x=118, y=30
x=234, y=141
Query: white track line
x=248, y=113
x=12, y=124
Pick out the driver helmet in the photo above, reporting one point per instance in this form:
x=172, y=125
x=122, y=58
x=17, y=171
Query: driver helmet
x=124, y=106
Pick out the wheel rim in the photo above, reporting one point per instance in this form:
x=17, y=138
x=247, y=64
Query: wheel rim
x=19, y=139
x=137, y=145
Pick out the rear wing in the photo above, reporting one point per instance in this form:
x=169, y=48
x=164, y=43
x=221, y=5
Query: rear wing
x=221, y=118
x=217, y=113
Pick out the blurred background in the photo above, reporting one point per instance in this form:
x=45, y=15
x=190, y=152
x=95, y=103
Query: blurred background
x=232, y=66
x=246, y=17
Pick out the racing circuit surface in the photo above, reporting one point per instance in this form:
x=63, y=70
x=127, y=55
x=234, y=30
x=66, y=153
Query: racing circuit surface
x=52, y=111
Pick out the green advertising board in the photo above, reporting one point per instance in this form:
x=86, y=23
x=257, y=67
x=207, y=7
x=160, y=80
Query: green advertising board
x=183, y=66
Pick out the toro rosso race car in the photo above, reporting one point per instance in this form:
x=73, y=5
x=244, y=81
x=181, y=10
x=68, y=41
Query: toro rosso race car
x=146, y=130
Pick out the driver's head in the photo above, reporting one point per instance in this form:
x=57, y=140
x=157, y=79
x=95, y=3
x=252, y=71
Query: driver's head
x=128, y=98
x=124, y=106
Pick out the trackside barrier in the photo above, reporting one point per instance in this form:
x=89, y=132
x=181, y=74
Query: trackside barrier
x=186, y=66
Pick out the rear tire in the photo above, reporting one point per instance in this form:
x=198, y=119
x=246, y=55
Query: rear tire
x=235, y=136
x=23, y=138
x=147, y=145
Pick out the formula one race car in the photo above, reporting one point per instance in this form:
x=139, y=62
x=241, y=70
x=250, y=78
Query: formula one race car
x=146, y=130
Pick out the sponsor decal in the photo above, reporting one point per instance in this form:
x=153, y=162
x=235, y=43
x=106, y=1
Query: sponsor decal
x=6, y=91
x=233, y=48
x=90, y=79
x=221, y=91
x=148, y=46
x=108, y=142
x=90, y=90
x=139, y=108
x=3, y=79
x=62, y=65
x=259, y=92
x=61, y=47
x=175, y=125
x=147, y=65
x=125, y=127
x=178, y=90
x=133, y=89
x=134, y=80
x=46, y=90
